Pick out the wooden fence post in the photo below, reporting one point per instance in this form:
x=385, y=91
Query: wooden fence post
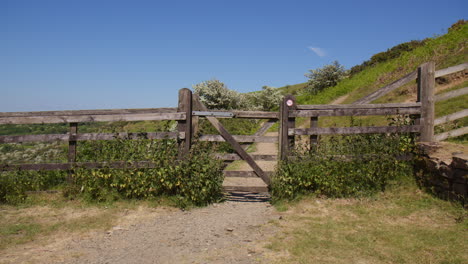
x=286, y=122
x=426, y=85
x=185, y=106
x=313, y=124
x=72, y=148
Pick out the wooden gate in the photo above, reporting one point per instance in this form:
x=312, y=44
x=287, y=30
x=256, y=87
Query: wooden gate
x=191, y=103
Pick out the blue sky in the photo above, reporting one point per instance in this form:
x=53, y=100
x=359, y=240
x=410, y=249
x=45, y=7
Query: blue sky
x=57, y=55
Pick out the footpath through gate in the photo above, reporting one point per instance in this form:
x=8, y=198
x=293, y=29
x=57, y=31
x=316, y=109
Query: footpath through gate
x=190, y=109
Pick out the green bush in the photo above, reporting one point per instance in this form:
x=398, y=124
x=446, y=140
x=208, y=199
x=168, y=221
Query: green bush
x=343, y=166
x=14, y=185
x=196, y=180
x=327, y=76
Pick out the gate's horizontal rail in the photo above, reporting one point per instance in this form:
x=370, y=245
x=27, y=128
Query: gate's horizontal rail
x=357, y=112
x=351, y=130
x=347, y=158
x=450, y=70
x=54, y=119
x=253, y=189
x=362, y=106
x=457, y=115
x=90, y=112
x=244, y=174
x=451, y=94
x=90, y=136
x=86, y=165
x=453, y=133
x=254, y=156
x=239, y=138
x=406, y=79
x=240, y=114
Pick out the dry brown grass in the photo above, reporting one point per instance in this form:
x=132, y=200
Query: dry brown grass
x=403, y=225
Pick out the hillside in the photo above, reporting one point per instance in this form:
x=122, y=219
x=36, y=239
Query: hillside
x=446, y=50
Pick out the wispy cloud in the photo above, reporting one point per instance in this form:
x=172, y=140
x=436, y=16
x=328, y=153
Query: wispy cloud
x=319, y=51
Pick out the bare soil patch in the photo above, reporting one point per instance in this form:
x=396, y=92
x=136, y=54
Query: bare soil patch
x=229, y=232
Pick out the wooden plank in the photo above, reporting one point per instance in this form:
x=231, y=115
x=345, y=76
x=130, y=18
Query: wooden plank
x=385, y=90
x=267, y=125
x=426, y=86
x=453, y=133
x=313, y=139
x=347, y=158
x=261, y=131
x=217, y=114
x=233, y=156
x=239, y=138
x=240, y=174
x=361, y=106
x=286, y=122
x=91, y=118
x=254, y=189
x=185, y=126
x=352, y=130
x=357, y=112
x=34, y=138
x=451, y=117
x=230, y=139
x=256, y=114
x=87, y=165
x=89, y=112
x=90, y=136
x=451, y=94
x=72, y=149
x=451, y=70
x=72, y=142
x=241, y=114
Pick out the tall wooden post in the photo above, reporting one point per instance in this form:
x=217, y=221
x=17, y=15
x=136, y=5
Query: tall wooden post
x=72, y=148
x=185, y=106
x=313, y=124
x=286, y=122
x=426, y=85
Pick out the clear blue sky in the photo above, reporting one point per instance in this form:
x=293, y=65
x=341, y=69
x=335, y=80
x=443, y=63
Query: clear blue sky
x=57, y=55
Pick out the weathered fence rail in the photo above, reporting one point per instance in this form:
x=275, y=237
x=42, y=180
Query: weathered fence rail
x=422, y=111
x=190, y=109
x=406, y=79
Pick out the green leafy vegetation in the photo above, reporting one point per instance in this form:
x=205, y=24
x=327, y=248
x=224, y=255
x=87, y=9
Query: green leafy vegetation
x=344, y=166
x=214, y=94
x=195, y=180
x=327, y=76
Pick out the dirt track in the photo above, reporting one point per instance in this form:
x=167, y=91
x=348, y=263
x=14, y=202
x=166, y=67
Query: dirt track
x=229, y=232
x=235, y=231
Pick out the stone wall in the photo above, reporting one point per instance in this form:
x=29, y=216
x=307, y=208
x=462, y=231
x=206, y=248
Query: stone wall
x=445, y=178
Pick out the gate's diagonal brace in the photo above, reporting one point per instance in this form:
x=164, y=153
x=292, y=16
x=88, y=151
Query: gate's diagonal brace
x=228, y=137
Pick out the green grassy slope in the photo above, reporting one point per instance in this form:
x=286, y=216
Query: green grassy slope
x=446, y=50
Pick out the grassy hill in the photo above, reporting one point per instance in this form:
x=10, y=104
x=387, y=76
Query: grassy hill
x=446, y=50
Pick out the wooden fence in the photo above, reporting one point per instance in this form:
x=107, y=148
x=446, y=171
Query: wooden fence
x=186, y=114
x=422, y=111
x=190, y=109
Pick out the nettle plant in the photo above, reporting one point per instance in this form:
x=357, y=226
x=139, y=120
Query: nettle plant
x=344, y=166
x=195, y=180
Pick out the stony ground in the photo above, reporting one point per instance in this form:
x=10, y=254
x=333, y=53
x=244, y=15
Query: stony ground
x=235, y=231
x=229, y=232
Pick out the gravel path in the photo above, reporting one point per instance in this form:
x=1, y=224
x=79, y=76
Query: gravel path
x=231, y=232
x=235, y=231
